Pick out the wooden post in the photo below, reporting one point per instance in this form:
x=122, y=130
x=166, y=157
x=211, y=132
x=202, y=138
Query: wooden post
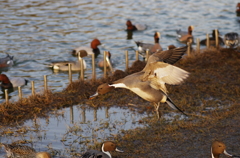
x=198, y=45
x=70, y=73
x=137, y=55
x=82, y=69
x=147, y=55
x=216, y=38
x=104, y=65
x=207, y=40
x=19, y=92
x=33, y=88
x=93, y=68
x=189, y=49
x=6, y=96
x=45, y=83
x=126, y=59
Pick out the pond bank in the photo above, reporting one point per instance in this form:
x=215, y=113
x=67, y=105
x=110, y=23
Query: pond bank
x=210, y=96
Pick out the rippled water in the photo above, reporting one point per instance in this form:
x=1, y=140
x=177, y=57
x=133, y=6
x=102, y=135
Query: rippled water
x=38, y=32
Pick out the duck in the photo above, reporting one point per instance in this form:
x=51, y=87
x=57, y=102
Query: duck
x=131, y=27
x=152, y=48
x=23, y=151
x=231, y=39
x=6, y=62
x=12, y=82
x=238, y=9
x=104, y=153
x=63, y=65
x=218, y=148
x=183, y=36
x=108, y=59
x=212, y=40
x=149, y=83
x=85, y=51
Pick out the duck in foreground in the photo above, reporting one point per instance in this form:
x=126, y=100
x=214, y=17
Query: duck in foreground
x=85, y=51
x=6, y=62
x=12, y=82
x=104, y=153
x=131, y=27
x=149, y=83
x=219, y=148
x=152, y=48
x=63, y=65
x=23, y=151
x=231, y=39
x=184, y=36
x=212, y=40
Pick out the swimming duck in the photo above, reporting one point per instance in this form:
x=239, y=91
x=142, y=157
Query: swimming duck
x=101, y=63
x=212, y=40
x=183, y=36
x=231, y=39
x=218, y=148
x=131, y=27
x=104, y=153
x=23, y=151
x=6, y=62
x=149, y=83
x=63, y=65
x=152, y=48
x=238, y=8
x=12, y=82
x=85, y=51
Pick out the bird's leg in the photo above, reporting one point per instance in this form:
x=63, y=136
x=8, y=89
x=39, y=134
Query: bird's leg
x=157, y=109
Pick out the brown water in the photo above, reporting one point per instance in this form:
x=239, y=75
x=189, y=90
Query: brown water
x=38, y=32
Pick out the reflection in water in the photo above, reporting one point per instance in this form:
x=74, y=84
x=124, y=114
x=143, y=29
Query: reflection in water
x=129, y=34
x=70, y=130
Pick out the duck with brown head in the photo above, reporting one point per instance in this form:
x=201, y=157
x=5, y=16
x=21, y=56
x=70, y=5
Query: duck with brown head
x=152, y=48
x=8, y=83
x=183, y=36
x=149, y=83
x=104, y=153
x=132, y=27
x=85, y=51
x=219, y=148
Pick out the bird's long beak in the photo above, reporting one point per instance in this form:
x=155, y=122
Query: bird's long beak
x=118, y=150
x=93, y=96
